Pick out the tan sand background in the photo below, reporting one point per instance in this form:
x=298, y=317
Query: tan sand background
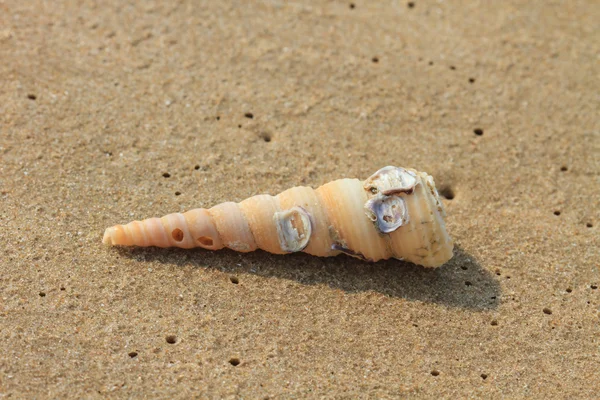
x=99, y=99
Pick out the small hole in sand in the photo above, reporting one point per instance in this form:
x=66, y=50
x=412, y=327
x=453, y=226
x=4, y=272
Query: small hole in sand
x=568, y=290
x=234, y=280
x=177, y=193
x=133, y=354
x=234, y=361
x=494, y=322
x=435, y=372
x=430, y=62
x=447, y=192
x=589, y=225
x=564, y=168
x=196, y=167
x=249, y=115
x=452, y=67
x=464, y=267
x=467, y=283
x=352, y=6
x=167, y=175
x=484, y=376
x=478, y=131
x=42, y=294
x=265, y=136
x=594, y=287
x=171, y=339
x=205, y=241
x=547, y=311
x=62, y=288
x=31, y=96
x=240, y=126
x=471, y=80
x=177, y=234
x=375, y=59
x=557, y=213
x=218, y=118
x=410, y=4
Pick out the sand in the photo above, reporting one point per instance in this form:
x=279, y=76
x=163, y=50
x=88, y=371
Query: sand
x=119, y=110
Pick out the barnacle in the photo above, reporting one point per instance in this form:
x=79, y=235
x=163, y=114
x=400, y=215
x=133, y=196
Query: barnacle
x=394, y=213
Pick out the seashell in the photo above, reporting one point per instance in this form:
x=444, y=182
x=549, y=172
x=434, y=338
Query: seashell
x=395, y=213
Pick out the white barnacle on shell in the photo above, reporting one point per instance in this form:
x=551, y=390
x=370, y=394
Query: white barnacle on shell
x=391, y=180
x=294, y=229
x=386, y=207
x=387, y=212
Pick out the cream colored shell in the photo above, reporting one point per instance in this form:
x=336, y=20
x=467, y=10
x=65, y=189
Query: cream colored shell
x=395, y=213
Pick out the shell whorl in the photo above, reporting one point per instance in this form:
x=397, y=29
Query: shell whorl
x=394, y=213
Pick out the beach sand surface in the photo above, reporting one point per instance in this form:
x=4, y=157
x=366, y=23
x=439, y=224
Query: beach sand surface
x=114, y=111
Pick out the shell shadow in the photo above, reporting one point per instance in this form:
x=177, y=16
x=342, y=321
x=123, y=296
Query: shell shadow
x=461, y=282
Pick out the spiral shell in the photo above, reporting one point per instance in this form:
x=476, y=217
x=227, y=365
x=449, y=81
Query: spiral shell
x=396, y=213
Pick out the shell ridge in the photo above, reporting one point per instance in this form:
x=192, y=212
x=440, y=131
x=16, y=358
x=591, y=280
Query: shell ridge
x=250, y=228
x=332, y=233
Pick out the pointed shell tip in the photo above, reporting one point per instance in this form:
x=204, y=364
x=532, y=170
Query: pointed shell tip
x=107, y=238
